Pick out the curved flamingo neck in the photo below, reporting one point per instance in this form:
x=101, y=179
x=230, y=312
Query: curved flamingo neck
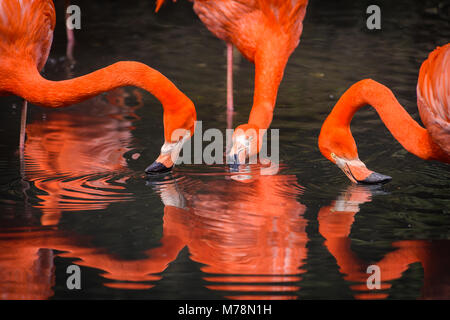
x=179, y=111
x=405, y=129
x=270, y=61
x=37, y=90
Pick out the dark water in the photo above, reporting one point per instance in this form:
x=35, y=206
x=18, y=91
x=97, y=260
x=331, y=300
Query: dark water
x=78, y=196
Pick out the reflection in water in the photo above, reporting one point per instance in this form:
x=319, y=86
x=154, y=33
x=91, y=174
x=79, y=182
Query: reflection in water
x=76, y=159
x=76, y=162
x=335, y=222
x=26, y=268
x=250, y=236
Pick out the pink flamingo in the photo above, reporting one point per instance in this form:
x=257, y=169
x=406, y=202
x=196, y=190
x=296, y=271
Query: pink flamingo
x=430, y=143
x=266, y=32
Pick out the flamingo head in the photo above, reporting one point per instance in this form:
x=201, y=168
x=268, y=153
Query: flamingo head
x=178, y=128
x=170, y=152
x=247, y=141
x=357, y=171
x=339, y=147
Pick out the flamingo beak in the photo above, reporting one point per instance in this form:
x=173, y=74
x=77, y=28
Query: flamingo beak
x=240, y=150
x=169, y=155
x=237, y=157
x=357, y=171
x=161, y=165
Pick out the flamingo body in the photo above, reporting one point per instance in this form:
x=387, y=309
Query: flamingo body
x=433, y=96
x=433, y=143
x=246, y=23
x=26, y=30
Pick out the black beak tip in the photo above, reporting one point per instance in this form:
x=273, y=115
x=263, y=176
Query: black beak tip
x=157, y=168
x=376, y=178
x=234, y=164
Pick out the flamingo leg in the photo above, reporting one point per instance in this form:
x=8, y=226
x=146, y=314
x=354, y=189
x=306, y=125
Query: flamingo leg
x=229, y=85
x=70, y=38
x=70, y=45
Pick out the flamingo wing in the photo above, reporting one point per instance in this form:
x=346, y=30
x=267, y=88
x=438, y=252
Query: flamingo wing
x=242, y=22
x=289, y=14
x=433, y=96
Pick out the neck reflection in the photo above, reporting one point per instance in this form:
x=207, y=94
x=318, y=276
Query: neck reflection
x=250, y=237
x=75, y=158
x=335, y=223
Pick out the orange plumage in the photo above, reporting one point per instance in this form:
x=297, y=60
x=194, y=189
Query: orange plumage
x=26, y=32
x=433, y=143
x=433, y=96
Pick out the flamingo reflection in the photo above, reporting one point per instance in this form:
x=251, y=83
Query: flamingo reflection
x=335, y=222
x=250, y=237
x=27, y=266
x=70, y=156
x=26, y=270
x=253, y=243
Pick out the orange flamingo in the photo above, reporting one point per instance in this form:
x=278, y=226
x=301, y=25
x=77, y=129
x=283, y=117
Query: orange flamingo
x=26, y=32
x=433, y=98
x=266, y=32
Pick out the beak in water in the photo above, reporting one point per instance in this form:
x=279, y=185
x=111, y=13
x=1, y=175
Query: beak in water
x=240, y=150
x=169, y=155
x=163, y=164
x=357, y=171
x=245, y=144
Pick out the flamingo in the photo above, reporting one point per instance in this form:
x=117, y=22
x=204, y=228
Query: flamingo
x=26, y=32
x=430, y=143
x=266, y=32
